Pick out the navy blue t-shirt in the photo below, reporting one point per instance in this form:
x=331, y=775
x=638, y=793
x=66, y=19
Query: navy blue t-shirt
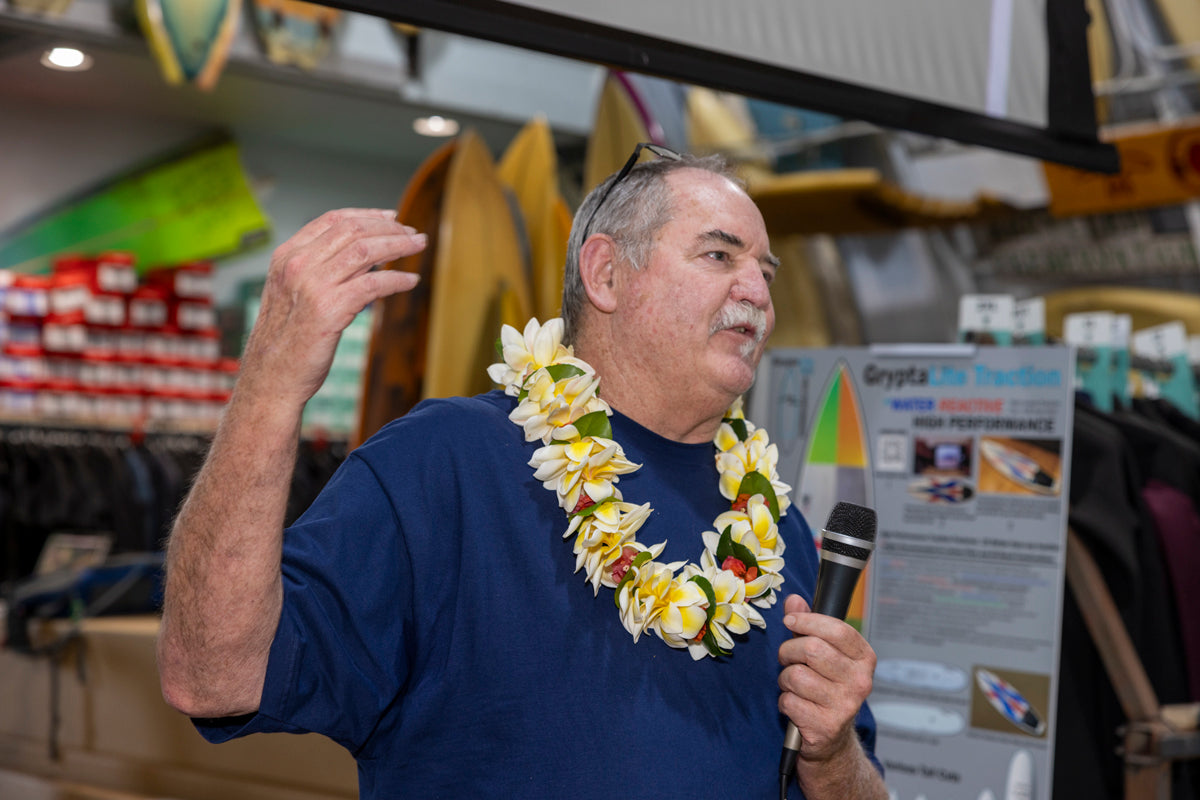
x=432, y=624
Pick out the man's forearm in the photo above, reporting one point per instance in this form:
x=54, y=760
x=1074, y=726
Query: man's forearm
x=850, y=775
x=223, y=589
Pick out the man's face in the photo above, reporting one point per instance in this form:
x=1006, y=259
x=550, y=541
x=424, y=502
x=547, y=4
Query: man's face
x=697, y=315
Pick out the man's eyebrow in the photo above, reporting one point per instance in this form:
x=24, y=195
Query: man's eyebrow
x=733, y=240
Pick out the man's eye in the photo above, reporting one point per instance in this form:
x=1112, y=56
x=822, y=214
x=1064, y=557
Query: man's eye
x=719, y=255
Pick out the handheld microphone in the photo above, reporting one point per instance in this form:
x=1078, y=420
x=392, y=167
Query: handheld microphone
x=846, y=543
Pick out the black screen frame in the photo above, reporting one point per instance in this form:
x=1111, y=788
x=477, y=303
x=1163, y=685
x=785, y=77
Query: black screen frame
x=1070, y=137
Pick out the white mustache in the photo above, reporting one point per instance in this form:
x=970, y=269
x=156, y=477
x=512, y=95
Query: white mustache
x=741, y=315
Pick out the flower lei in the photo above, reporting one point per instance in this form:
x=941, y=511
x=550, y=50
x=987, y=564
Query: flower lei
x=698, y=606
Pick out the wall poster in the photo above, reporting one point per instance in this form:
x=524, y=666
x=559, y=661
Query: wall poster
x=964, y=453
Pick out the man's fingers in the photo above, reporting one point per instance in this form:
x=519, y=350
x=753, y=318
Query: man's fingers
x=374, y=285
x=345, y=251
x=319, y=226
x=829, y=629
x=345, y=239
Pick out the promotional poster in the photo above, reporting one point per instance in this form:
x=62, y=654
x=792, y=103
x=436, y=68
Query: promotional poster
x=963, y=451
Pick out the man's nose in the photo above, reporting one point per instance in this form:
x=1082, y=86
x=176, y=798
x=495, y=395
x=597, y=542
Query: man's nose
x=752, y=287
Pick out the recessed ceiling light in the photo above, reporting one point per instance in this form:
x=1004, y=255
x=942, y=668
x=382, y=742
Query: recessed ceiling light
x=435, y=126
x=68, y=59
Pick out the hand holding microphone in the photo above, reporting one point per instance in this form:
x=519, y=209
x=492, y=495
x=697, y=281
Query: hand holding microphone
x=846, y=544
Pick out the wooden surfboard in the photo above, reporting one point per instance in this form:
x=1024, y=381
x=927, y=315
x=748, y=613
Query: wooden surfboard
x=190, y=39
x=621, y=122
x=479, y=275
x=400, y=325
x=529, y=168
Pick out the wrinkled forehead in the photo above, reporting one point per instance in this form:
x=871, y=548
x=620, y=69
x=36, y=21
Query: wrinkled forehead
x=707, y=201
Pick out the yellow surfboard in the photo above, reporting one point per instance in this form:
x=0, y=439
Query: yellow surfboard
x=529, y=168
x=620, y=124
x=190, y=39
x=479, y=275
x=715, y=126
x=396, y=350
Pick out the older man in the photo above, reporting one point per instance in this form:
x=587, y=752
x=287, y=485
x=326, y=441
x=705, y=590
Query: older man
x=427, y=613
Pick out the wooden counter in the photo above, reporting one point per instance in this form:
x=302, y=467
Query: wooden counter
x=117, y=737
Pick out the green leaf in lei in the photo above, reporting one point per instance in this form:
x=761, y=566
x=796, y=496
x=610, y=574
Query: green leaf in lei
x=556, y=372
x=757, y=483
x=727, y=547
x=592, y=509
x=559, y=371
x=709, y=641
x=594, y=424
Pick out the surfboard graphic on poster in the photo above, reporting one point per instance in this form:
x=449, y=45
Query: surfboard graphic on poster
x=837, y=465
x=1009, y=702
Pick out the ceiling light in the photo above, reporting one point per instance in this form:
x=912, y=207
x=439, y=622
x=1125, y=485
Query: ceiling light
x=435, y=126
x=68, y=59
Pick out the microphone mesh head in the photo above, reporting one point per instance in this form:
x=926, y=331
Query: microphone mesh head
x=849, y=519
x=842, y=549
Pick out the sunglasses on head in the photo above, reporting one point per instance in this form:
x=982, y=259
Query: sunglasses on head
x=656, y=149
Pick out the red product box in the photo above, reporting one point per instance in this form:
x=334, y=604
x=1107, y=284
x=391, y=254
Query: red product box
x=28, y=297
x=116, y=273
x=149, y=307
x=191, y=281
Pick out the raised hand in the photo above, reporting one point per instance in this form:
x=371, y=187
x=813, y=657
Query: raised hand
x=319, y=279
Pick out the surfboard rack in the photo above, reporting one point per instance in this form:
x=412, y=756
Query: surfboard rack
x=1155, y=735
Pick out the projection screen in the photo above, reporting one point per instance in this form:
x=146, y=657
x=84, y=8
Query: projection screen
x=1006, y=74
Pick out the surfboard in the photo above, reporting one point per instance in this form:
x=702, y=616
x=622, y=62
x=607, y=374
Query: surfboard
x=190, y=39
x=396, y=349
x=837, y=465
x=479, y=276
x=529, y=168
x=941, y=490
x=621, y=123
x=717, y=125
x=1009, y=702
x=801, y=310
x=295, y=33
x=1019, y=467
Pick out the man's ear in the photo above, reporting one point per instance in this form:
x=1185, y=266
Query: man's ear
x=597, y=268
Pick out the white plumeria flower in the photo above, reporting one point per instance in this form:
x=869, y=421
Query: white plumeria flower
x=755, y=454
x=603, y=538
x=523, y=354
x=726, y=439
x=757, y=527
x=732, y=613
x=589, y=466
x=758, y=516
x=550, y=405
x=655, y=599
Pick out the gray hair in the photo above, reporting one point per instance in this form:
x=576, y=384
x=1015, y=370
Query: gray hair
x=632, y=215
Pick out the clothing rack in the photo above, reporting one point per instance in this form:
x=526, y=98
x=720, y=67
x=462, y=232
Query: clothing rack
x=123, y=481
x=1155, y=735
